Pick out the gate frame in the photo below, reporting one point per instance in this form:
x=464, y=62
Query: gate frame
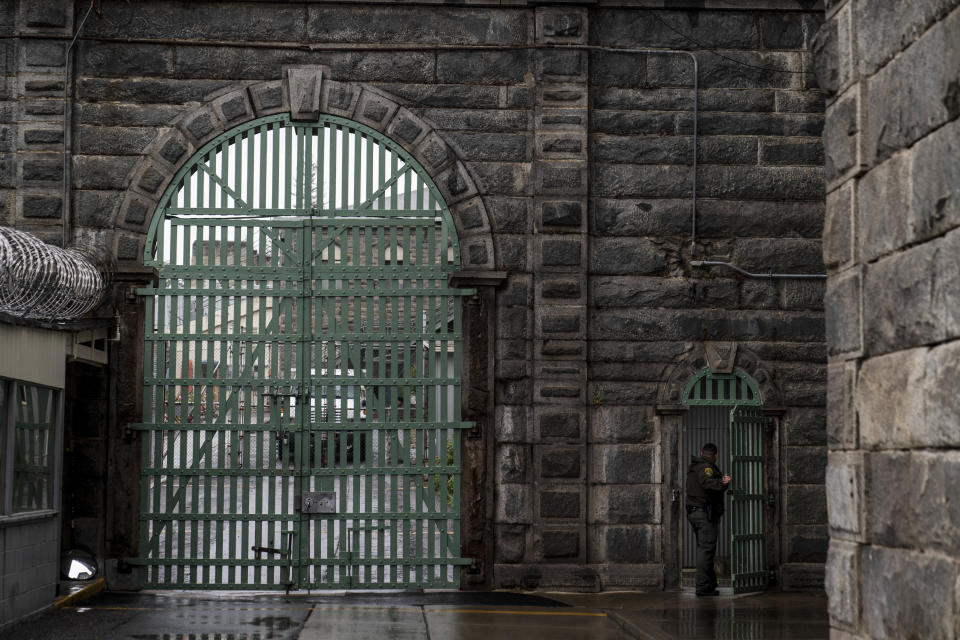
x=668, y=415
x=305, y=92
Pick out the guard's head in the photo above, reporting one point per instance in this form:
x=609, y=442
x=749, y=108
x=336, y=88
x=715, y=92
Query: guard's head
x=709, y=451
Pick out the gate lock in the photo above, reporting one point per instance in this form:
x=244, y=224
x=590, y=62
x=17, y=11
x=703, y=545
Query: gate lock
x=316, y=502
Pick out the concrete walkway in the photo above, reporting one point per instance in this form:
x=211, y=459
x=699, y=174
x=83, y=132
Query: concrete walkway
x=429, y=616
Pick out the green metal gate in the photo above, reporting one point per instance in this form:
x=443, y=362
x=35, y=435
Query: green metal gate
x=748, y=556
x=302, y=367
x=724, y=408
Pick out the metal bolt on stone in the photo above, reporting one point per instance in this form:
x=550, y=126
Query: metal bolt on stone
x=45, y=282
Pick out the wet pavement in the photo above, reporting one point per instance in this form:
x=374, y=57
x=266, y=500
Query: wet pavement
x=429, y=616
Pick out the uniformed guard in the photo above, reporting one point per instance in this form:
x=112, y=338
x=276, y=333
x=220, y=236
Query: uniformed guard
x=706, y=486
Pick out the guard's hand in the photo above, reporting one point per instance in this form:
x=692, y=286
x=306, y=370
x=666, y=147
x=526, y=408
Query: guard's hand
x=726, y=480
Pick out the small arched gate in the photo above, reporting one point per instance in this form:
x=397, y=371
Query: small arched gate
x=301, y=424
x=725, y=409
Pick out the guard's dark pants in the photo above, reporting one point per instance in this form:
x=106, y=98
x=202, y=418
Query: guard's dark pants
x=706, y=533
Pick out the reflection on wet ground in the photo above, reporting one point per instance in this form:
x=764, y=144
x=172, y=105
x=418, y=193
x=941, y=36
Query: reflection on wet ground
x=430, y=616
x=665, y=616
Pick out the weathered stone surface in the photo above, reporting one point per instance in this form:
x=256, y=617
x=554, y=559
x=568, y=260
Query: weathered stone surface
x=511, y=543
x=624, y=504
x=792, y=183
x=173, y=91
x=112, y=140
x=915, y=93
x=635, y=122
x=514, y=504
x=680, y=99
x=512, y=463
x=615, y=424
x=560, y=463
x=478, y=119
x=838, y=227
x=733, y=30
x=510, y=215
x=487, y=67
x=644, y=181
x=100, y=172
x=807, y=543
x=561, y=214
x=766, y=69
x=885, y=30
x=622, y=256
x=38, y=206
x=409, y=24
x=907, y=297
x=842, y=584
x=935, y=184
x=883, y=204
x=801, y=576
x=921, y=513
x=560, y=544
x=802, y=294
x=840, y=136
x=805, y=465
x=675, y=324
x=561, y=252
x=888, y=403
x=793, y=153
x=96, y=209
x=40, y=169
x=623, y=464
x=799, y=102
x=637, y=544
x=902, y=594
x=843, y=314
x=508, y=178
x=559, y=504
x=941, y=403
x=566, y=425
x=631, y=291
x=806, y=504
x=842, y=431
x=844, y=482
x=780, y=255
x=760, y=124
x=512, y=424
x=110, y=59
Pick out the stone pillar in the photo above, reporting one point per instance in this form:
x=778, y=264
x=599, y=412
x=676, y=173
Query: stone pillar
x=561, y=501
x=36, y=168
x=892, y=140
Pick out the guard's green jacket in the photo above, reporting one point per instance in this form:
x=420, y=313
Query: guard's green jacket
x=705, y=485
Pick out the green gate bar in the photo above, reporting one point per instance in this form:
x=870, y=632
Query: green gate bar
x=301, y=424
x=748, y=550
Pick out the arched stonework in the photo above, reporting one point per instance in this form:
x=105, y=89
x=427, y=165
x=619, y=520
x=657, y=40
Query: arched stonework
x=670, y=392
x=304, y=92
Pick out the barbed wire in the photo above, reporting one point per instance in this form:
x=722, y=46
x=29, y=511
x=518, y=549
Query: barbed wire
x=41, y=281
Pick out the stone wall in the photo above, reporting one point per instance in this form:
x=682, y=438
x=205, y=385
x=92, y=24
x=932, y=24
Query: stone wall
x=582, y=160
x=892, y=139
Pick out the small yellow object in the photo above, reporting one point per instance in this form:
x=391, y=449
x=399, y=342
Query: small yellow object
x=708, y=471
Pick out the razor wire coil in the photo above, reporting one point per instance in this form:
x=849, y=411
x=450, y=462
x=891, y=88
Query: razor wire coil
x=41, y=281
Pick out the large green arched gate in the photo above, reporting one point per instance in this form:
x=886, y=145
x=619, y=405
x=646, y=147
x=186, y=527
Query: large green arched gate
x=301, y=420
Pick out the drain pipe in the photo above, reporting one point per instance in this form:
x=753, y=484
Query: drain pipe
x=769, y=276
x=68, y=133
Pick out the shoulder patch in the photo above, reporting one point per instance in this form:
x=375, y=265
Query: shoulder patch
x=708, y=471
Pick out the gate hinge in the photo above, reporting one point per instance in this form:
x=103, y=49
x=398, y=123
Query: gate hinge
x=771, y=499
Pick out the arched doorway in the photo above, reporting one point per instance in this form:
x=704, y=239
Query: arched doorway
x=724, y=408
x=301, y=367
